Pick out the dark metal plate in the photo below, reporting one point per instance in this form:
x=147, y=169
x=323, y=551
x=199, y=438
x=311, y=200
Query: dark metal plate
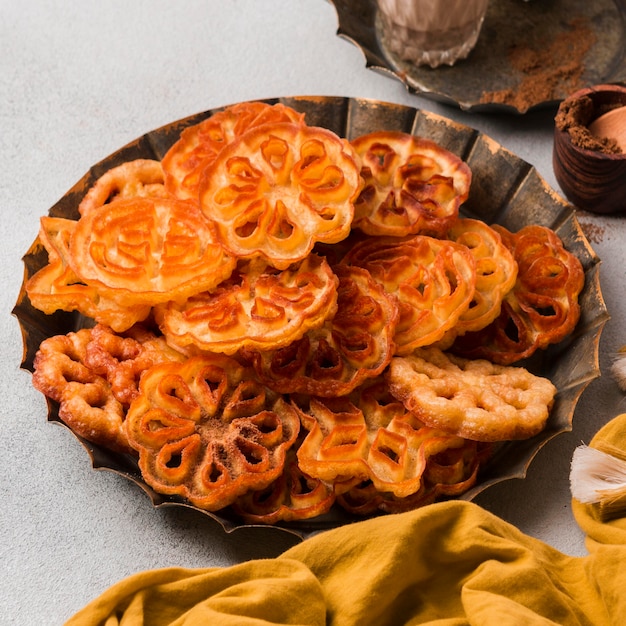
x=509, y=24
x=505, y=189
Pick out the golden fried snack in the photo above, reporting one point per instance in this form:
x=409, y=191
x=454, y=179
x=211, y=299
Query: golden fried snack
x=259, y=307
x=141, y=177
x=368, y=436
x=207, y=431
x=411, y=185
x=434, y=281
x=350, y=347
x=474, y=399
x=57, y=287
x=278, y=189
x=123, y=358
x=148, y=250
x=496, y=273
x=86, y=402
x=541, y=309
x=293, y=496
x=199, y=145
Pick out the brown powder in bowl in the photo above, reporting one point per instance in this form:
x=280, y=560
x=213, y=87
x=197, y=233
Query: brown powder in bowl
x=574, y=116
x=555, y=68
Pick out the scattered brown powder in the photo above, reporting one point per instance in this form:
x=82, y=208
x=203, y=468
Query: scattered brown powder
x=555, y=68
x=593, y=232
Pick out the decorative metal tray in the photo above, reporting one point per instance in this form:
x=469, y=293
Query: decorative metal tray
x=505, y=189
x=491, y=79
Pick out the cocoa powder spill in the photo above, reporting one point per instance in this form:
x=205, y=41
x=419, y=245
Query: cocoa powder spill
x=555, y=68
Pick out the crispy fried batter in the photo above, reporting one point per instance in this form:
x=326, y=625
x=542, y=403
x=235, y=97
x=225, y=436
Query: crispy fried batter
x=412, y=185
x=541, y=309
x=291, y=497
x=369, y=436
x=57, y=287
x=434, y=281
x=86, y=402
x=258, y=308
x=199, y=145
x=474, y=399
x=496, y=272
x=141, y=177
x=148, y=250
x=278, y=189
x=353, y=345
x=208, y=431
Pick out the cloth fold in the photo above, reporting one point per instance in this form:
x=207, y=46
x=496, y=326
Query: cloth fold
x=446, y=564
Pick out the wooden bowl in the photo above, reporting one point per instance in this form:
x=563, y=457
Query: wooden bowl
x=591, y=179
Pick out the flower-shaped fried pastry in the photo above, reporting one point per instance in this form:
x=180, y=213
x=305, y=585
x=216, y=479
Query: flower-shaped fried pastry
x=208, y=431
x=412, y=186
x=368, y=436
x=292, y=496
x=352, y=346
x=278, y=189
x=433, y=280
x=259, y=307
x=199, y=144
x=541, y=309
x=141, y=177
x=86, y=402
x=148, y=250
x=496, y=272
x=474, y=399
x=57, y=287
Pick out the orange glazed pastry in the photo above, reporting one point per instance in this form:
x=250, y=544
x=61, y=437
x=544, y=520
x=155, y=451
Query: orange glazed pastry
x=277, y=190
x=259, y=307
x=141, y=177
x=148, y=250
x=433, y=279
x=199, y=145
x=411, y=185
x=496, y=272
x=542, y=307
x=353, y=345
x=57, y=287
x=207, y=431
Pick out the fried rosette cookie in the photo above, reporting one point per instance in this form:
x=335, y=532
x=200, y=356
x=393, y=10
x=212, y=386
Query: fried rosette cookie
x=496, y=273
x=207, y=431
x=368, y=436
x=447, y=474
x=293, y=496
x=94, y=375
x=56, y=287
x=86, y=402
x=122, y=358
x=148, y=250
x=199, y=145
x=137, y=178
x=353, y=345
x=411, y=185
x=278, y=189
x=474, y=399
x=541, y=309
x=433, y=280
x=259, y=307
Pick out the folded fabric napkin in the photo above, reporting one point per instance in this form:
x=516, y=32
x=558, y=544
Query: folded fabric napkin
x=447, y=564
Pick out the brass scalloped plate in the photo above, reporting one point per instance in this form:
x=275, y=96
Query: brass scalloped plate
x=509, y=24
x=505, y=189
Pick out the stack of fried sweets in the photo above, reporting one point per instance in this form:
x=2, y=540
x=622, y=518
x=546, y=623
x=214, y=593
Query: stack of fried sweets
x=280, y=320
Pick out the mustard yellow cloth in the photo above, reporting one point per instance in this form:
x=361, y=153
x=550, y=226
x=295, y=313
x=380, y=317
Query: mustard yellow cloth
x=447, y=564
